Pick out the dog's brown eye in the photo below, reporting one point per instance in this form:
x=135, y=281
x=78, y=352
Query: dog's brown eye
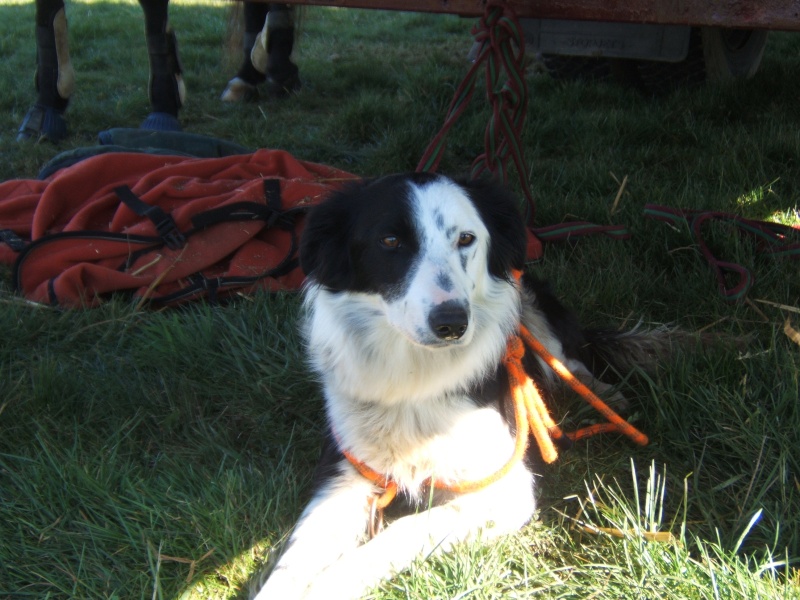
x=390, y=241
x=465, y=239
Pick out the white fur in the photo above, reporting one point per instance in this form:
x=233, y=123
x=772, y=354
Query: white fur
x=396, y=398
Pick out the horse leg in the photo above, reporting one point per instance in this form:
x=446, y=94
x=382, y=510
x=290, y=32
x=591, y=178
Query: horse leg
x=282, y=74
x=268, y=42
x=55, y=77
x=166, y=89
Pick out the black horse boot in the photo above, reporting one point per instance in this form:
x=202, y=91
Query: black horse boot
x=55, y=77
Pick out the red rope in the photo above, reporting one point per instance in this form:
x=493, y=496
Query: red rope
x=502, y=52
x=774, y=239
x=502, y=55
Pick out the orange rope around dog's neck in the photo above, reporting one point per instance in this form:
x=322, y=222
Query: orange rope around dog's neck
x=530, y=415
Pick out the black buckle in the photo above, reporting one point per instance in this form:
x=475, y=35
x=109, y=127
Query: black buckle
x=165, y=225
x=167, y=229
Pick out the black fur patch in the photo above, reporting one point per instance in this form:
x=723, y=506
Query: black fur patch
x=439, y=220
x=499, y=212
x=444, y=282
x=562, y=321
x=341, y=244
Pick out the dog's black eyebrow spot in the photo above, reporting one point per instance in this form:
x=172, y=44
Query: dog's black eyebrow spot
x=438, y=218
x=450, y=231
x=443, y=281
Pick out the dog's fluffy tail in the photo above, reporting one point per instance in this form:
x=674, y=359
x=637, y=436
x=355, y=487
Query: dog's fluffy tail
x=615, y=354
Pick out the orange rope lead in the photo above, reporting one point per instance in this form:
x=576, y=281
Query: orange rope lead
x=520, y=442
x=528, y=401
x=617, y=423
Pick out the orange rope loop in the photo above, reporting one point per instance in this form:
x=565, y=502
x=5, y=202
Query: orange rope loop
x=616, y=422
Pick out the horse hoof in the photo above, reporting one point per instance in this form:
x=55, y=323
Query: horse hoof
x=238, y=90
x=42, y=122
x=282, y=88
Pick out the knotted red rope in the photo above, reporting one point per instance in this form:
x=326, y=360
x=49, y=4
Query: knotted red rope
x=502, y=51
x=502, y=56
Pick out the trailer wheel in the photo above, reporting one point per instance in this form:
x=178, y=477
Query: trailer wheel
x=732, y=53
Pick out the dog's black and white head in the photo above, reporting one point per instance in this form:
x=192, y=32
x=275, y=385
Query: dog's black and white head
x=430, y=248
x=410, y=264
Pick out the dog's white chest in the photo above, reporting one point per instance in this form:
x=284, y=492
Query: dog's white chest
x=451, y=443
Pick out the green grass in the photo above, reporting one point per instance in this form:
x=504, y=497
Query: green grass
x=162, y=454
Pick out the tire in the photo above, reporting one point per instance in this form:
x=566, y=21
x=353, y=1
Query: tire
x=732, y=53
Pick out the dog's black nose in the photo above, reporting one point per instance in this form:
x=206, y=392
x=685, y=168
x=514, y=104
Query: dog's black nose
x=449, y=320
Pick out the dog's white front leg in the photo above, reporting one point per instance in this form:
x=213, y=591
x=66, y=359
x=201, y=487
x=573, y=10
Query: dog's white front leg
x=333, y=523
x=499, y=509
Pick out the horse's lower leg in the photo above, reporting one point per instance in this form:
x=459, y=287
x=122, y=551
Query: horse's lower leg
x=281, y=71
x=267, y=46
x=55, y=77
x=166, y=88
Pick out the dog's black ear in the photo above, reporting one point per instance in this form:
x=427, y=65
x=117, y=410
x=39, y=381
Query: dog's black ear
x=324, y=247
x=498, y=210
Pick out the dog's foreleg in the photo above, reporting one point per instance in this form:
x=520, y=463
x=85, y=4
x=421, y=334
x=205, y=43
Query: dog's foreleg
x=500, y=508
x=333, y=523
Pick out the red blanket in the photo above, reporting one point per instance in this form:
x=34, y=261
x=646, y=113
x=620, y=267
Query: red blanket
x=224, y=225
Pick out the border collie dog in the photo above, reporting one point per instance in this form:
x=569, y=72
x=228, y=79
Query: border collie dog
x=410, y=302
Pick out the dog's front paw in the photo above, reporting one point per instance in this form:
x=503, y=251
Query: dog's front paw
x=335, y=590
x=342, y=581
x=282, y=585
